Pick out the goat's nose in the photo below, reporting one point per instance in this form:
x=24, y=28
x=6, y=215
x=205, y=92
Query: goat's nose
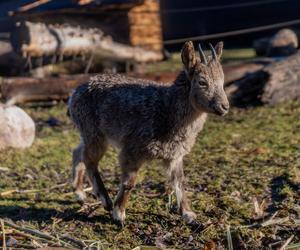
x=225, y=106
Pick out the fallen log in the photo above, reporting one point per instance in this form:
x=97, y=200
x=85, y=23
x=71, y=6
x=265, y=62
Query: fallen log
x=238, y=71
x=28, y=89
x=39, y=39
x=274, y=83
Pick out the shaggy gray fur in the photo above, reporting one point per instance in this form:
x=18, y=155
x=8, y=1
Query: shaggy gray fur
x=145, y=120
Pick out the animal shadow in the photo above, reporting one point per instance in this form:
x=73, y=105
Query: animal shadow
x=32, y=213
x=276, y=185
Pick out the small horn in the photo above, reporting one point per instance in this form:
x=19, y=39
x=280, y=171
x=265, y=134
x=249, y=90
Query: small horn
x=213, y=52
x=202, y=55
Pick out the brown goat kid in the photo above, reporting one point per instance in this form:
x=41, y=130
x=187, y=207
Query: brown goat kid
x=145, y=120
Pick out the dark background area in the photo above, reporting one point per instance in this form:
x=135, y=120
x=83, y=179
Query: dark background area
x=190, y=18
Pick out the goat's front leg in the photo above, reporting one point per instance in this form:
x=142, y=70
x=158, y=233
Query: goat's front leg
x=91, y=160
x=176, y=176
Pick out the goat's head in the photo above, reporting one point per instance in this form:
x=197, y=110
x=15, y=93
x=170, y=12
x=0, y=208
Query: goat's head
x=206, y=78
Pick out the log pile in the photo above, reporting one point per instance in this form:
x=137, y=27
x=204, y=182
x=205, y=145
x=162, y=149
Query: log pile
x=39, y=39
x=16, y=90
x=145, y=25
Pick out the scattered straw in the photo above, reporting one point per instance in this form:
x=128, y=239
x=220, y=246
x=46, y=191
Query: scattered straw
x=3, y=236
x=229, y=238
x=283, y=247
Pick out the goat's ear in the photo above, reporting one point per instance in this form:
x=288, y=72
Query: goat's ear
x=219, y=49
x=188, y=57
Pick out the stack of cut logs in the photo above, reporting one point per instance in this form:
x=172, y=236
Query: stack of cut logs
x=145, y=25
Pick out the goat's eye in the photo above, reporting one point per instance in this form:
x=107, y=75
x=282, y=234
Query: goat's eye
x=203, y=83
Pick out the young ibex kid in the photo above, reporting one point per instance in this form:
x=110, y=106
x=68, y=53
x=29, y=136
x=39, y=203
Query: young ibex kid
x=145, y=120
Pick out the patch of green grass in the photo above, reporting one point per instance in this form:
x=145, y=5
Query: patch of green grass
x=237, y=55
x=249, y=153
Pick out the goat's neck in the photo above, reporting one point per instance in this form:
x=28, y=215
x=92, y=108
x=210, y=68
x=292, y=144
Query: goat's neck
x=183, y=111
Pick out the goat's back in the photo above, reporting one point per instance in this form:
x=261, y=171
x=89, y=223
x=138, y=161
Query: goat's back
x=117, y=106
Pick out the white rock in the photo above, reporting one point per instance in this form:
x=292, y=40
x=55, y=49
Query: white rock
x=17, y=129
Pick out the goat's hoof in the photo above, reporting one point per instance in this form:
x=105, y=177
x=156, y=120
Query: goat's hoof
x=80, y=196
x=108, y=206
x=106, y=201
x=189, y=216
x=120, y=224
x=119, y=216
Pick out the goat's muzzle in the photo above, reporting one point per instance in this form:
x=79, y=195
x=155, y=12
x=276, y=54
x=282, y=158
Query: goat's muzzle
x=221, y=109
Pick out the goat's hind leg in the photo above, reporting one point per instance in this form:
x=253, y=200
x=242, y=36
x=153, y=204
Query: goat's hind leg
x=92, y=153
x=78, y=173
x=129, y=169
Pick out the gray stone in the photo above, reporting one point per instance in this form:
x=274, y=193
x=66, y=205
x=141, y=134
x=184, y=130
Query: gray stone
x=17, y=129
